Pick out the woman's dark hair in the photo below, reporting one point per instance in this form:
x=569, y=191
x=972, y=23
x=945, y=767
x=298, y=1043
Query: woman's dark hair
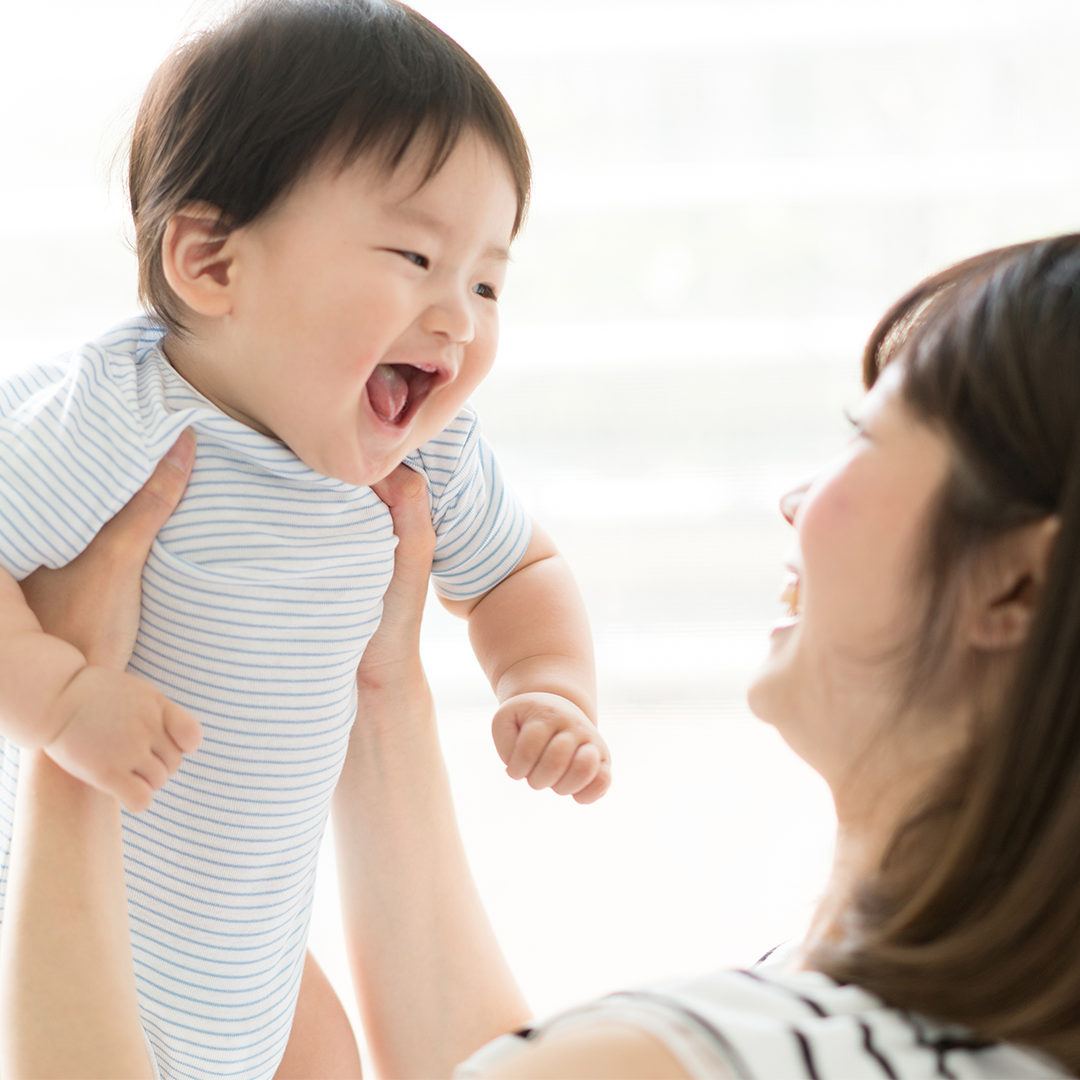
x=974, y=915
x=238, y=114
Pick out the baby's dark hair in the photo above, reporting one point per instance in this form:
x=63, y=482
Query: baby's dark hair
x=238, y=114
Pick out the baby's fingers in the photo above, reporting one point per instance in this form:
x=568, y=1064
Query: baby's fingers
x=133, y=793
x=554, y=762
x=182, y=728
x=153, y=770
x=169, y=754
x=597, y=787
x=532, y=739
x=582, y=770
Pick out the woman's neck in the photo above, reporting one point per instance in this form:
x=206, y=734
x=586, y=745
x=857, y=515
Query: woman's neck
x=880, y=794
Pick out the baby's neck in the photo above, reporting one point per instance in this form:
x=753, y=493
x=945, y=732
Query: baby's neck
x=196, y=361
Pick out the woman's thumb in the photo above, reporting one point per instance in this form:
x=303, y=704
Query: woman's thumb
x=150, y=507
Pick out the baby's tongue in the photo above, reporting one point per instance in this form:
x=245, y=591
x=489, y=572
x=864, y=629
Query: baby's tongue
x=388, y=392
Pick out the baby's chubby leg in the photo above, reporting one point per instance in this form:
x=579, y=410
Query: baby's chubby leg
x=322, y=1045
x=68, y=1004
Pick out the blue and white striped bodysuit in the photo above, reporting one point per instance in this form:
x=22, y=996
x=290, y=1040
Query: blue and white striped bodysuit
x=258, y=598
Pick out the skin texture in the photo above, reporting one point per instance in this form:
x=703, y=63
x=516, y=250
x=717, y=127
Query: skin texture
x=859, y=528
x=602, y=1051
x=836, y=683
x=321, y=1043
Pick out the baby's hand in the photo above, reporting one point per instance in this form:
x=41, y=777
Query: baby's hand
x=113, y=730
x=121, y=735
x=549, y=741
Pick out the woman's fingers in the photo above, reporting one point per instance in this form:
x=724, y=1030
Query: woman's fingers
x=405, y=493
x=94, y=602
x=132, y=531
x=397, y=638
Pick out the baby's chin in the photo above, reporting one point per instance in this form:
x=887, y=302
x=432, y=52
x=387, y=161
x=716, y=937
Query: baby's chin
x=355, y=471
x=372, y=471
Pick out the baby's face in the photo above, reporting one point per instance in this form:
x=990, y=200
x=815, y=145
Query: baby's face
x=365, y=309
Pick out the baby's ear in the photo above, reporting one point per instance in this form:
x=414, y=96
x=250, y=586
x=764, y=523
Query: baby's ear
x=197, y=261
x=1008, y=583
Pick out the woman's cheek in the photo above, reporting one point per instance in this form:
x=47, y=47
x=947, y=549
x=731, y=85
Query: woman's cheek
x=844, y=591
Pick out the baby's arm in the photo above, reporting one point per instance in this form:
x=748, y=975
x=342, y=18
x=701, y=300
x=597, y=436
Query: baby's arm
x=108, y=729
x=531, y=636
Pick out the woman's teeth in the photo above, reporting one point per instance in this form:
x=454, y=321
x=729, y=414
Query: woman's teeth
x=790, y=594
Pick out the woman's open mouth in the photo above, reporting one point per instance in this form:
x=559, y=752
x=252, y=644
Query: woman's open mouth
x=790, y=595
x=396, y=391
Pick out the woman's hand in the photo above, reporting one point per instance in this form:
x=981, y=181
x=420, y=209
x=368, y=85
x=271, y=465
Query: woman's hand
x=115, y=731
x=422, y=953
x=396, y=643
x=94, y=602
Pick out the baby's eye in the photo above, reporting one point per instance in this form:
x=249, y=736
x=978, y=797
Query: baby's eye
x=413, y=257
x=486, y=291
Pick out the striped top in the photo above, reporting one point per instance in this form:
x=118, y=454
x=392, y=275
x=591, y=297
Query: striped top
x=767, y=1023
x=259, y=596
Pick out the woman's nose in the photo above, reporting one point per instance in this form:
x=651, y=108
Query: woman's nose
x=789, y=503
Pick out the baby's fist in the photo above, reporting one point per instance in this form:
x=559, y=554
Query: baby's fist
x=547, y=740
x=121, y=735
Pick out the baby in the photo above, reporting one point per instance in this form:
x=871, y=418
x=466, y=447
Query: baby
x=324, y=196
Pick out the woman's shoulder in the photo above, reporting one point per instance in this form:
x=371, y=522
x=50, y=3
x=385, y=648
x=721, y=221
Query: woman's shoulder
x=766, y=1021
x=769, y=1021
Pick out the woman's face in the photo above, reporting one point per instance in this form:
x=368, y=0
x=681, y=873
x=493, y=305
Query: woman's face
x=838, y=664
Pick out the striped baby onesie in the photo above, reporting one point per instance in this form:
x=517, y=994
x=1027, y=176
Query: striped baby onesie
x=259, y=596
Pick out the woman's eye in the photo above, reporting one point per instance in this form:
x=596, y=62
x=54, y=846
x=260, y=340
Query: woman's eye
x=418, y=260
x=855, y=423
x=486, y=291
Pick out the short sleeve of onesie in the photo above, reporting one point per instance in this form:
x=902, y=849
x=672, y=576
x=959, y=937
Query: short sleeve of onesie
x=73, y=449
x=482, y=529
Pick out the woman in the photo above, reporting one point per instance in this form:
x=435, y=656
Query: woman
x=928, y=671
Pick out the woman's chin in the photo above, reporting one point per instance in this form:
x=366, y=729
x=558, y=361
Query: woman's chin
x=761, y=695
x=769, y=687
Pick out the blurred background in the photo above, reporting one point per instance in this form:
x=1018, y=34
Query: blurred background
x=728, y=195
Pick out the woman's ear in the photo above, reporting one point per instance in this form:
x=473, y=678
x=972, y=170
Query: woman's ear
x=197, y=261
x=1008, y=585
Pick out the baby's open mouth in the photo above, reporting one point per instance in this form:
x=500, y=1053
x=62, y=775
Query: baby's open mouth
x=396, y=390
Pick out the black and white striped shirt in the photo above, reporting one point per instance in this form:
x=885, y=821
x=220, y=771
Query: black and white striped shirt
x=766, y=1023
